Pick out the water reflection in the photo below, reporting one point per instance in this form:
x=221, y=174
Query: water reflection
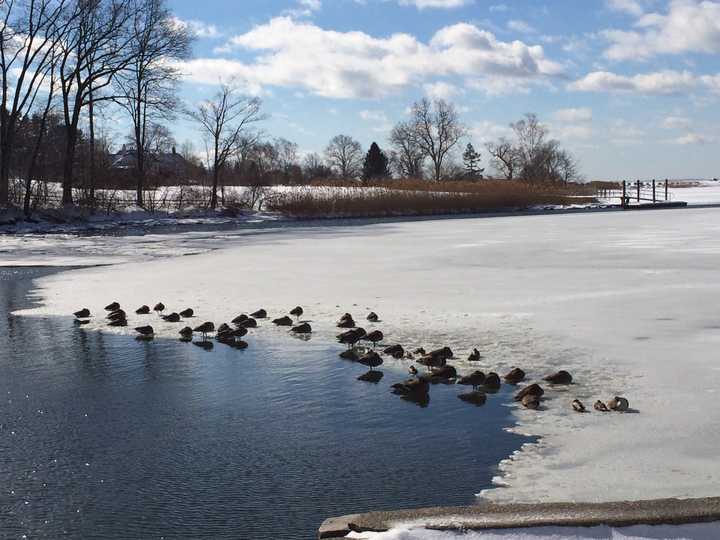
x=103, y=436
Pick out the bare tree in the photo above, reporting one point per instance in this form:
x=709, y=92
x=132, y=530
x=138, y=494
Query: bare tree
x=437, y=129
x=344, y=154
x=504, y=157
x=224, y=120
x=30, y=31
x=314, y=167
x=147, y=87
x=95, y=49
x=407, y=157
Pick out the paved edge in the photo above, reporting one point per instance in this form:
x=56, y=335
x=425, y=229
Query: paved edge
x=506, y=516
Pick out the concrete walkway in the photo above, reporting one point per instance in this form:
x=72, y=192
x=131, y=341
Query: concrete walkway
x=511, y=516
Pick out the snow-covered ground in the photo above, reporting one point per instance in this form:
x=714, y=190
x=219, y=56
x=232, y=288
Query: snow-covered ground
x=700, y=531
x=702, y=192
x=626, y=301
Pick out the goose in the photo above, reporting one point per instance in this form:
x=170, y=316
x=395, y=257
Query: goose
x=600, y=406
x=619, y=404
x=142, y=310
x=303, y=328
x=475, y=379
x=578, y=406
x=412, y=387
x=204, y=329
x=282, y=321
x=145, y=332
x=432, y=361
x=371, y=360
x=374, y=337
x=259, y=314
x=187, y=313
x=475, y=397
x=239, y=319
x=117, y=315
x=445, y=353
x=173, y=318
x=474, y=356
x=159, y=307
x=82, y=314
x=346, y=322
x=561, y=377
x=396, y=351
x=297, y=312
x=112, y=307
x=224, y=327
x=371, y=376
x=351, y=337
x=186, y=334
x=492, y=382
x=118, y=323
x=531, y=402
x=373, y=317
x=444, y=373
x=515, y=376
x=412, y=370
x=530, y=390
x=248, y=323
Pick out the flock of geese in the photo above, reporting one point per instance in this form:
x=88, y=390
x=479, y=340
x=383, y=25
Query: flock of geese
x=415, y=389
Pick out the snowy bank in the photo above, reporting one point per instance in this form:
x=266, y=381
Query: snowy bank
x=625, y=301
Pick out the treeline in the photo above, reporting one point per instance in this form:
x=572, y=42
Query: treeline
x=67, y=64
x=61, y=61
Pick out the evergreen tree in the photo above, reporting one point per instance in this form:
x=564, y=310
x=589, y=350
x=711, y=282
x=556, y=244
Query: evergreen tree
x=471, y=159
x=376, y=164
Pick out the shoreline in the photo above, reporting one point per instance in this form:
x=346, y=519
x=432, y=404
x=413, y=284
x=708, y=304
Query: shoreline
x=271, y=221
x=524, y=516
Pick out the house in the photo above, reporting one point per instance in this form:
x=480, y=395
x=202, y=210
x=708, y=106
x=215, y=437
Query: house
x=164, y=163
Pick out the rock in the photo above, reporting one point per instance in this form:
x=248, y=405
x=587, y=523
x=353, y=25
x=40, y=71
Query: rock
x=515, y=376
x=530, y=390
x=476, y=397
x=619, y=404
x=561, y=377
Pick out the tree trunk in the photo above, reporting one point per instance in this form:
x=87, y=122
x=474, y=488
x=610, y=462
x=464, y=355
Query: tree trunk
x=140, y=160
x=213, y=197
x=67, y=196
x=4, y=177
x=91, y=119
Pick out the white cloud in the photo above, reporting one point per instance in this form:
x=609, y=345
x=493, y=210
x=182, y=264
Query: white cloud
x=688, y=26
x=631, y=7
x=675, y=122
x=198, y=28
x=304, y=8
x=441, y=90
x=518, y=25
x=299, y=54
x=441, y=4
x=573, y=115
x=693, y=138
x=659, y=82
x=486, y=131
x=381, y=123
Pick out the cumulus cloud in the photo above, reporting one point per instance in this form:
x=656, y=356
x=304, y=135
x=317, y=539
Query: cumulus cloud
x=441, y=4
x=521, y=26
x=299, y=54
x=658, y=83
x=688, y=26
x=441, y=90
x=198, y=28
x=693, y=138
x=675, y=122
x=573, y=115
x=631, y=7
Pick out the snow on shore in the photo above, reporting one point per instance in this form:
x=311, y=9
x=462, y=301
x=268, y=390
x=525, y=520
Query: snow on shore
x=628, y=302
x=699, y=531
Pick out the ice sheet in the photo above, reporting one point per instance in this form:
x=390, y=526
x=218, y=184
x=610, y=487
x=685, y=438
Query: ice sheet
x=628, y=302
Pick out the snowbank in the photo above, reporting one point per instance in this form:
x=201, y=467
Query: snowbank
x=700, y=531
x=625, y=301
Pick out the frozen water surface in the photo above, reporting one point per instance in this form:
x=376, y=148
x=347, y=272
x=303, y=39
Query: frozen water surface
x=628, y=302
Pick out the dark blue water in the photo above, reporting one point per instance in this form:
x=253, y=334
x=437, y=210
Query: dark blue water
x=105, y=437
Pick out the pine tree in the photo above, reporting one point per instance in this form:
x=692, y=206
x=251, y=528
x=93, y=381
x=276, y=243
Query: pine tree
x=376, y=164
x=471, y=159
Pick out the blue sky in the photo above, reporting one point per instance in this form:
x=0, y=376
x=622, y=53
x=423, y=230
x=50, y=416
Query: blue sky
x=631, y=87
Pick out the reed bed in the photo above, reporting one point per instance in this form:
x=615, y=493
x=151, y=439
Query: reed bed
x=412, y=198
